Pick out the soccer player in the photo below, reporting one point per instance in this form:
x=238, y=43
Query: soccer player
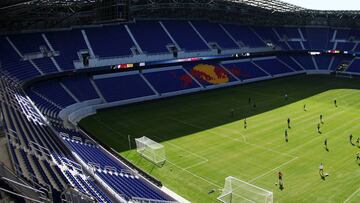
x=245, y=123
x=286, y=136
x=304, y=107
x=288, y=123
x=357, y=156
x=351, y=137
x=318, y=128
x=321, y=118
x=357, y=141
x=280, y=176
x=321, y=170
x=249, y=100
x=325, y=144
x=286, y=97
x=335, y=103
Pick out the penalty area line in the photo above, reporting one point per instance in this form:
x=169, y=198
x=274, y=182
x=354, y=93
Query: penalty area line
x=193, y=174
x=352, y=195
x=264, y=174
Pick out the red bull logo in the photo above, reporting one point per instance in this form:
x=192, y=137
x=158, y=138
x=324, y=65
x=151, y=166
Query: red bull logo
x=210, y=73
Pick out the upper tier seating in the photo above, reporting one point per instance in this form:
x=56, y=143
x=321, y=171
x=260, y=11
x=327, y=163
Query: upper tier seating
x=68, y=43
x=189, y=42
x=28, y=43
x=288, y=32
x=150, y=36
x=244, y=35
x=318, y=38
x=116, y=43
x=212, y=32
x=12, y=64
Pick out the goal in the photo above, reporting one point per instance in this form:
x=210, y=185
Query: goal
x=236, y=191
x=151, y=150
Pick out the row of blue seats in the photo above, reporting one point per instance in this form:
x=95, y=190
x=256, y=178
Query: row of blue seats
x=131, y=186
x=135, y=85
x=226, y=36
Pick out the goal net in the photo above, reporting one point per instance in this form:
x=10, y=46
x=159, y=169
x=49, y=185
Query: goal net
x=236, y=190
x=151, y=150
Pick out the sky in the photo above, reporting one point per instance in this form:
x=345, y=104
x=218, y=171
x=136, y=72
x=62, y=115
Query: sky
x=327, y=4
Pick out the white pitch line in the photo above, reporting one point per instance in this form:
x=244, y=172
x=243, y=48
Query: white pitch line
x=197, y=164
x=192, y=153
x=264, y=174
x=193, y=174
x=351, y=196
x=234, y=139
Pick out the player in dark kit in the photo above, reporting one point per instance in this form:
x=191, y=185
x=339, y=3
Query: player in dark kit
x=288, y=123
x=335, y=103
x=318, y=128
x=321, y=170
x=351, y=137
x=325, y=145
x=245, y=123
x=286, y=136
x=321, y=118
x=304, y=107
x=280, y=176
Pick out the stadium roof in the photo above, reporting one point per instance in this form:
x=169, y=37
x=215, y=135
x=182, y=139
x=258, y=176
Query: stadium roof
x=39, y=14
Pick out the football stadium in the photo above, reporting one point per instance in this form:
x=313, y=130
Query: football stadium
x=178, y=101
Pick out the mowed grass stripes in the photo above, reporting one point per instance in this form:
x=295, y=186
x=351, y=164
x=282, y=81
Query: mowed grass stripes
x=205, y=144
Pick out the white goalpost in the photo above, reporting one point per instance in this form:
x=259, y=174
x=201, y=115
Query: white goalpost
x=236, y=190
x=151, y=150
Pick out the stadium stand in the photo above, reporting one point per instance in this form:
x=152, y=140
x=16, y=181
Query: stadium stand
x=165, y=81
x=68, y=51
x=212, y=32
x=119, y=45
x=245, y=70
x=189, y=42
x=146, y=41
x=273, y=66
x=244, y=35
x=130, y=87
x=43, y=149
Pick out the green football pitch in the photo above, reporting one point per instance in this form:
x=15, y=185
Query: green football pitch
x=204, y=144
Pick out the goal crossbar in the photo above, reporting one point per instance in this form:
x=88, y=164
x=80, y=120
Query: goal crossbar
x=151, y=150
x=236, y=191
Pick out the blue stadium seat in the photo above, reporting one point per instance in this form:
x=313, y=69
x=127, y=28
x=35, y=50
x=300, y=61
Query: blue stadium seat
x=170, y=80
